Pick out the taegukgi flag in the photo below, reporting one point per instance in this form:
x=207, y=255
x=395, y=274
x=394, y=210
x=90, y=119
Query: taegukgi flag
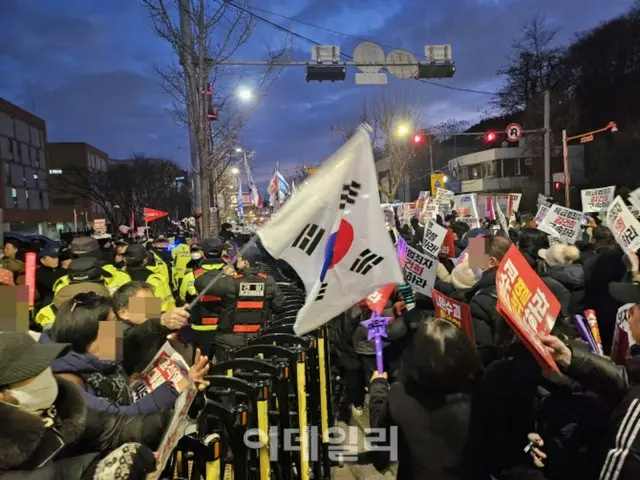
x=333, y=235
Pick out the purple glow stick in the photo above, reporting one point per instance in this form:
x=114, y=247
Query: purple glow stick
x=585, y=332
x=377, y=327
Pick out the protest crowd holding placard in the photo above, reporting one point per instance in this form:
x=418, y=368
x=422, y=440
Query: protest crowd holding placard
x=481, y=340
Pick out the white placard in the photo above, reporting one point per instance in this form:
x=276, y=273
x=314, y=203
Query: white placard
x=420, y=271
x=434, y=235
x=443, y=199
x=502, y=219
x=597, y=199
x=624, y=226
x=562, y=222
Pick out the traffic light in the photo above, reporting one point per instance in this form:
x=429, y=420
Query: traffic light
x=436, y=70
x=557, y=186
x=490, y=137
x=321, y=73
x=418, y=139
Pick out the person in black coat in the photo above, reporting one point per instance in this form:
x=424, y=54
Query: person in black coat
x=430, y=406
x=488, y=324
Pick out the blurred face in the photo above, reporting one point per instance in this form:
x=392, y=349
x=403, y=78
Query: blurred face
x=51, y=262
x=142, y=306
x=10, y=250
x=104, y=347
x=242, y=264
x=66, y=263
x=634, y=322
x=120, y=249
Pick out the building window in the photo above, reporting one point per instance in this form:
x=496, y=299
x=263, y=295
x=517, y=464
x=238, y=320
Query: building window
x=14, y=197
x=517, y=172
x=488, y=169
x=24, y=153
x=16, y=150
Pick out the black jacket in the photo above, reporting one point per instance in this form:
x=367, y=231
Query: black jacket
x=45, y=278
x=29, y=451
x=433, y=429
x=566, y=282
x=488, y=324
x=141, y=343
x=620, y=459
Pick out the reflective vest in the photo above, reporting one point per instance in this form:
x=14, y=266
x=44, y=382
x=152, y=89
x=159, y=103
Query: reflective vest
x=113, y=282
x=46, y=316
x=181, y=258
x=252, y=306
x=161, y=288
x=217, y=304
x=160, y=268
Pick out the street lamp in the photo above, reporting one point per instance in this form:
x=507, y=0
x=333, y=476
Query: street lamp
x=238, y=149
x=584, y=138
x=235, y=171
x=245, y=94
x=403, y=129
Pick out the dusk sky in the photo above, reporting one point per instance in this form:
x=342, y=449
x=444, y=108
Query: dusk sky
x=87, y=67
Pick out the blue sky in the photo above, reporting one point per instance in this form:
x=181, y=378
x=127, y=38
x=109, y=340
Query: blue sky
x=88, y=68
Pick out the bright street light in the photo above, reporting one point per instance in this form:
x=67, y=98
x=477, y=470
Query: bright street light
x=245, y=94
x=403, y=130
x=238, y=149
x=446, y=179
x=235, y=171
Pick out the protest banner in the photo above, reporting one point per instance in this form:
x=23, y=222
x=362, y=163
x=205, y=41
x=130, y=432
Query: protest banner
x=624, y=226
x=542, y=212
x=389, y=216
x=513, y=205
x=422, y=198
x=448, y=248
x=472, y=222
x=434, y=235
x=175, y=431
x=562, y=222
x=622, y=339
x=454, y=311
x=443, y=199
x=502, y=220
x=167, y=366
x=527, y=304
x=465, y=205
x=488, y=208
x=596, y=199
x=430, y=210
x=420, y=271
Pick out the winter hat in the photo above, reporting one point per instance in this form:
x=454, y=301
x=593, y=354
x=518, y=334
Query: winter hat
x=84, y=246
x=559, y=254
x=463, y=277
x=84, y=269
x=442, y=273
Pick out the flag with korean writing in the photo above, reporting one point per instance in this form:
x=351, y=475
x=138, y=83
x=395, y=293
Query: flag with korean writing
x=526, y=303
x=624, y=226
x=597, y=199
x=454, y=311
x=562, y=222
x=333, y=234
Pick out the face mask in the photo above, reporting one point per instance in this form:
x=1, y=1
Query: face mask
x=37, y=395
x=196, y=256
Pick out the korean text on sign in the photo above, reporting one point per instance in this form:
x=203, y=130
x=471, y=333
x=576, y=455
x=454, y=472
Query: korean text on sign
x=420, y=271
x=434, y=235
x=597, y=199
x=624, y=226
x=562, y=222
x=455, y=312
x=526, y=303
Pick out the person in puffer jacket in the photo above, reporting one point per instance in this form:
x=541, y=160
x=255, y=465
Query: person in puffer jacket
x=564, y=277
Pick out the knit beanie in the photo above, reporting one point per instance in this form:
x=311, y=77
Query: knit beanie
x=463, y=277
x=442, y=273
x=559, y=254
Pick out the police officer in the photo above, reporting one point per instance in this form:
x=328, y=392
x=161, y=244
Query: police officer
x=161, y=260
x=256, y=297
x=137, y=259
x=88, y=247
x=210, y=252
x=181, y=256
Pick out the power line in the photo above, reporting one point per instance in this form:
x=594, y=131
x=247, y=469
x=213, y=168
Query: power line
x=345, y=55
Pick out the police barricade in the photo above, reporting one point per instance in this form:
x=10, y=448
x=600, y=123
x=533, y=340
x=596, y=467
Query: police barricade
x=195, y=458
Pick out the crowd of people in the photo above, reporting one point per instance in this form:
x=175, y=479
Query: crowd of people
x=481, y=409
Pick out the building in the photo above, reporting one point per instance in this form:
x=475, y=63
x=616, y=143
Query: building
x=75, y=177
x=25, y=194
x=510, y=169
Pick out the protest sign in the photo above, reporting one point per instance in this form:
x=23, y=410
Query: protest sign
x=389, y=216
x=513, y=205
x=401, y=250
x=167, y=366
x=422, y=198
x=527, y=304
x=420, y=271
x=502, y=220
x=465, y=205
x=430, y=210
x=175, y=431
x=443, y=199
x=434, y=235
x=622, y=339
x=623, y=225
x=542, y=212
x=448, y=248
x=562, y=222
x=454, y=311
x=488, y=208
x=597, y=199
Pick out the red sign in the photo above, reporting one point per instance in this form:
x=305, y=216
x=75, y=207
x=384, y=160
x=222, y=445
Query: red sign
x=526, y=303
x=150, y=214
x=378, y=299
x=30, y=276
x=448, y=248
x=454, y=311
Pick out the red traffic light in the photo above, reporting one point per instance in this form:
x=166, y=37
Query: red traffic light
x=558, y=185
x=490, y=137
x=418, y=138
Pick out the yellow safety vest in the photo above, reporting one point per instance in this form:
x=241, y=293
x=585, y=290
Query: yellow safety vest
x=46, y=316
x=181, y=257
x=117, y=279
x=160, y=267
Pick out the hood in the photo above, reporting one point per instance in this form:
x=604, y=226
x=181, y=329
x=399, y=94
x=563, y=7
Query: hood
x=22, y=433
x=571, y=276
x=74, y=362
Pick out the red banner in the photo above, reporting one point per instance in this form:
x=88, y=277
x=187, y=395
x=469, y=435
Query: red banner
x=30, y=276
x=150, y=214
x=527, y=305
x=454, y=311
x=448, y=248
x=378, y=299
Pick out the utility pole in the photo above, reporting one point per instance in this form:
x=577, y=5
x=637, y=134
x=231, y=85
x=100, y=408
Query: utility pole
x=186, y=58
x=547, y=143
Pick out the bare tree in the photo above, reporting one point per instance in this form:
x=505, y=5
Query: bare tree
x=217, y=32
x=393, y=153
x=533, y=66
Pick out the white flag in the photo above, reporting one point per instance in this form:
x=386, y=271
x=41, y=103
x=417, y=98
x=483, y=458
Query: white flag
x=333, y=235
